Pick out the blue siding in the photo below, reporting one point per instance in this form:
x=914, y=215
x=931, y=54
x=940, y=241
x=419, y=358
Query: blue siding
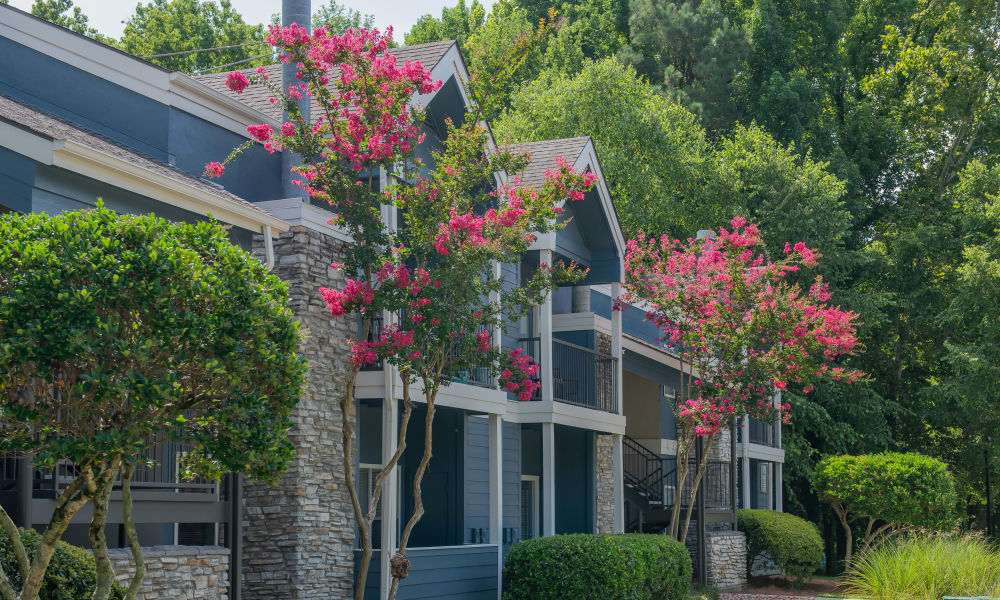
x=254, y=176
x=72, y=94
x=511, y=274
x=477, y=480
x=511, y=483
x=574, y=455
x=463, y=573
x=374, y=574
x=17, y=176
x=634, y=320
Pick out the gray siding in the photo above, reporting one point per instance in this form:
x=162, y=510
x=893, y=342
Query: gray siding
x=17, y=177
x=374, y=573
x=477, y=480
x=462, y=573
x=511, y=484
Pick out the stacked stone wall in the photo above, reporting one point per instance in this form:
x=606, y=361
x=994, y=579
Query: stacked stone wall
x=605, y=492
x=299, y=535
x=177, y=572
x=727, y=558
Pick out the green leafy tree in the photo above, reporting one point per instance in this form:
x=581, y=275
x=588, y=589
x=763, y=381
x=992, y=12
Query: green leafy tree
x=339, y=17
x=118, y=333
x=456, y=23
x=587, y=31
x=891, y=493
x=167, y=26
x=652, y=150
x=65, y=14
x=693, y=50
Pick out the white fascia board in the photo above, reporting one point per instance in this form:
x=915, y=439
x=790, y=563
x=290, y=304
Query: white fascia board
x=761, y=452
x=115, y=171
x=26, y=143
x=298, y=212
x=588, y=158
x=542, y=411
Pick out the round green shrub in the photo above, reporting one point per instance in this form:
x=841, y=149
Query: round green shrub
x=794, y=544
x=605, y=567
x=71, y=575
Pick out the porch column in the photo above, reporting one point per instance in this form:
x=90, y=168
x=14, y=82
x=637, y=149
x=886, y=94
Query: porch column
x=390, y=486
x=619, y=482
x=545, y=335
x=746, y=462
x=616, y=349
x=548, y=479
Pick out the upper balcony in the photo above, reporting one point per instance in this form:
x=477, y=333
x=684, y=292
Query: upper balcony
x=580, y=376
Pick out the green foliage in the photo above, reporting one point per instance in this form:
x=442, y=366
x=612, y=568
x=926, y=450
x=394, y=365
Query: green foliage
x=122, y=329
x=456, y=23
x=71, y=575
x=65, y=14
x=163, y=26
x=340, y=17
x=927, y=568
x=652, y=150
x=794, y=544
x=904, y=490
x=693, y=50
x=637, y=566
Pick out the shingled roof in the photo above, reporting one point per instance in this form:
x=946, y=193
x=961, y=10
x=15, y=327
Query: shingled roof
x=53, y=128
x=542, y=156
x=258, y=97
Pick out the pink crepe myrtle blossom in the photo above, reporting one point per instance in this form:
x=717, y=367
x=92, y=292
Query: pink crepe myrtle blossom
x=214, y=169
x=237, y=81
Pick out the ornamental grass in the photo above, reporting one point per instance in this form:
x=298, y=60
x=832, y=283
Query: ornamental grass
x=927, y=567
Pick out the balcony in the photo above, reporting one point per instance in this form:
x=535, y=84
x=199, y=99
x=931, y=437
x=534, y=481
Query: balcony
x=580, y=376
x=761, y=433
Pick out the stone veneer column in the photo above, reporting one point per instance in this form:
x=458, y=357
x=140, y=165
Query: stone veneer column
x=604, y=495
x=727, y=558
x=299, y=535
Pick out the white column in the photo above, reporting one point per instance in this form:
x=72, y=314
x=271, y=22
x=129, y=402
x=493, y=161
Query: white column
x=777, y=427
x=619, y=482
x=779, y=489
x=545, y=335
x=548, y=479
x=496, y=491
x=390, y=487
x=616, y=347
x=746, y=462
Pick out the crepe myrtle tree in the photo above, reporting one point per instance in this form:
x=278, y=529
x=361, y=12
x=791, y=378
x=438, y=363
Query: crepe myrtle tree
x=436, y=275
x=118, y=333
x=741, y=330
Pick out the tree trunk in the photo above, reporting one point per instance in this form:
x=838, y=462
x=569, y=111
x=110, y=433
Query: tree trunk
x=696, y=483
x=848, y=536
x=68, y=503
x=682, y=468
x=98, y=540
x=23, y=564
x=133, y=538
x=400, y=564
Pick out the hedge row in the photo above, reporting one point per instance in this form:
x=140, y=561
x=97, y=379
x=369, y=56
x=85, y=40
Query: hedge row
x=71, y=574
x=602, y=567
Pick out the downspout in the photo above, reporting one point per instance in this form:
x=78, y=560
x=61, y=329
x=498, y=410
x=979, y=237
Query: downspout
x=268, y=248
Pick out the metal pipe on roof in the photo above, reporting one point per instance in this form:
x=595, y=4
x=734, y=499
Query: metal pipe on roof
x=293, y=11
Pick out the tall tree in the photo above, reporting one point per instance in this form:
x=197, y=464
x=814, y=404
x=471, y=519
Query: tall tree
x=168, y=26
x=339, y=17
x=65, y=14
x=456, y=23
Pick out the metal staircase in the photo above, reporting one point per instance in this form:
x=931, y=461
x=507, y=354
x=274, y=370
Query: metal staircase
x=648, y=490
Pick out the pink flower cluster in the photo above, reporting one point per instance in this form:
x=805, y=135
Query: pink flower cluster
x=214, y=169
x=237, y=81
x=355, y=296
x=520, y=376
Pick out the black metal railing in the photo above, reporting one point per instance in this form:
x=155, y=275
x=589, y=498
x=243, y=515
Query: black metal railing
x=715, y=484
x=584, y=377
x=761, y=433
x=373, y=335
x=642, y=470
x=532, y=346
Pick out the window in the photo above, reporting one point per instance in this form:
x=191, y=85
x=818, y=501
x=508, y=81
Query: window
x=529, y=506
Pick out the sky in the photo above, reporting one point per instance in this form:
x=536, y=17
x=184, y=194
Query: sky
x=108, y=16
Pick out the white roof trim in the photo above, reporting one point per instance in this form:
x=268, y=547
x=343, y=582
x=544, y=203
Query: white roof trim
x=588, y=158
x=115, y=171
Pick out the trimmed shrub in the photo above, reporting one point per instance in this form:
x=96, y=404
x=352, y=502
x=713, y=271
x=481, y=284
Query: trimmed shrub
x=927, y=568
x=71, y=575
x=603, y=567
x=794, y=544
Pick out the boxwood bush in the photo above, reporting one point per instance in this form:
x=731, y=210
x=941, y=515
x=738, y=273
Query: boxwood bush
x=794, y=544
x=603, y=567
x=71, y=575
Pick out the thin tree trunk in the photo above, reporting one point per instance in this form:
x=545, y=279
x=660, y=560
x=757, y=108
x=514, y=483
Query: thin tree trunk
x=682, y=468
x=16, y=546
x=98, y=540
x=400, y=564
x=68, y=503
x=133, y=538
x=347, y=413
x=699, y=474
x=849, y=543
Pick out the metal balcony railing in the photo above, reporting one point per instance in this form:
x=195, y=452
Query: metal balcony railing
x=580, y=376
